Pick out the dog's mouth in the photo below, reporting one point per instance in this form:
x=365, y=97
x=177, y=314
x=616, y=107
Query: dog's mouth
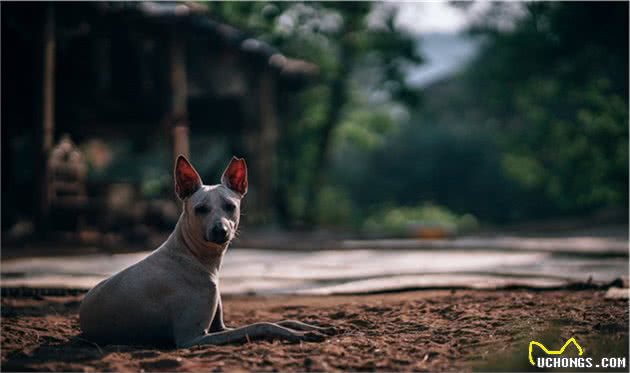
x=217, y=238
x=218, y=242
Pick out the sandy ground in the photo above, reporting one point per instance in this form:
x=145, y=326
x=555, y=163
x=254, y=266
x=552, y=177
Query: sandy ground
x=420, y=331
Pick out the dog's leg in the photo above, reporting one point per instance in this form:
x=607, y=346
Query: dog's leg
x=298, y=325
x=262, y=330
x=217, y=323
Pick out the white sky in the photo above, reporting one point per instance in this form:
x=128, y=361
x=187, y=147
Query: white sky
x=435, y=16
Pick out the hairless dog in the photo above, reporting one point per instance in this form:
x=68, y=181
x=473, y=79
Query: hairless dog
x=172, y=296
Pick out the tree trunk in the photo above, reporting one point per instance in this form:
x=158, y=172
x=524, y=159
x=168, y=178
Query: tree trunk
x=337, y=99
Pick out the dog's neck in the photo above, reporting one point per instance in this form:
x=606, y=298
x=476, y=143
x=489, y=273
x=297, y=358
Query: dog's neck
x=185, y=240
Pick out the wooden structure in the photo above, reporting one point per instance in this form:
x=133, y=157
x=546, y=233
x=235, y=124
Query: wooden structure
x=66, y=193
x=137, y=68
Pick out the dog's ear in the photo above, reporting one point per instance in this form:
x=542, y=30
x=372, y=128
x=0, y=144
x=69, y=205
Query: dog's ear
x=187, y=180
x=235, y=176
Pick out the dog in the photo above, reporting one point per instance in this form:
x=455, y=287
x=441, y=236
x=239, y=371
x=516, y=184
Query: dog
x=172, y=296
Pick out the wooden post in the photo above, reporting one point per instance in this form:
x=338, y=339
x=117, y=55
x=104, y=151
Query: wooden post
x=260, y=140
x=48, y=108
x=48, y=114
x=179, y=96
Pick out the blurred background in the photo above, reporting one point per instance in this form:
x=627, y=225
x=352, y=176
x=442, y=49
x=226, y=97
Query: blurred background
x=369, y=120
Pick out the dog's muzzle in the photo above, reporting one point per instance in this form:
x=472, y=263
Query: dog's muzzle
x=219, y=234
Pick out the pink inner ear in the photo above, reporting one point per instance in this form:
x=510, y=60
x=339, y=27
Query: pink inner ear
x=236, y=176
x=187, y=180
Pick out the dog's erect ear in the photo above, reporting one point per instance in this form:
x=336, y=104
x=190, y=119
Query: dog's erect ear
x=187, y=180
x=235, y=176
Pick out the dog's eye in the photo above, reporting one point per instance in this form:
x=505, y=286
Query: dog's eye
x=229, y=207
x=201, y=209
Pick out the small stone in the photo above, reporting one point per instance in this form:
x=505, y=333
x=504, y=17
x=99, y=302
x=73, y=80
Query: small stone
x=617, y=293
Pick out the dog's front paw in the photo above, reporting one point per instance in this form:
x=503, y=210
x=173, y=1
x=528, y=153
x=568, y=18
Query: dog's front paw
x=312, y=336
x=330, y=330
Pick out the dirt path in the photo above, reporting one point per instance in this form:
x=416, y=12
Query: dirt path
x=427, y=330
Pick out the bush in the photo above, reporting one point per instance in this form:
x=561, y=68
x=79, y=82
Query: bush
x=407, y=220
x=334, y=208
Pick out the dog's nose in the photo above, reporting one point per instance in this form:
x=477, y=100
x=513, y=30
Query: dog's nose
x=219, y=233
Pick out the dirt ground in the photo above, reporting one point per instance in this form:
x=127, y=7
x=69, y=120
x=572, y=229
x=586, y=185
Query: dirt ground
x=420, y=331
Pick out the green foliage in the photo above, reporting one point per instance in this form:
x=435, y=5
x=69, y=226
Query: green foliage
x=577, y=159
x=355, y=60
x=556, y=90
x=526, y=171
x=401, y=220
x=334, y=208
x=366, y=129
x=454, y=166
x=535, y=126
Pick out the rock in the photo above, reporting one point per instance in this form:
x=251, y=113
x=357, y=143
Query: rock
x=617, y=293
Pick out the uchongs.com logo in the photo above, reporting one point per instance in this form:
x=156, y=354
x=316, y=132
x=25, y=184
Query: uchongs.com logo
x=554, y=358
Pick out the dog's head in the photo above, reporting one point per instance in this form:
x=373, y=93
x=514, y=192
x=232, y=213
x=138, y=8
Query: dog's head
x=212, y=212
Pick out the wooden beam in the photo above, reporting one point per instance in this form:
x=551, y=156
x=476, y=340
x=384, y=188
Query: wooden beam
x=179, y=96
x=48, y=117
x=48, y=84
x=260, y=139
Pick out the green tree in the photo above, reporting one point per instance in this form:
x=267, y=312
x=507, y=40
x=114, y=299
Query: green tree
x=358, y=51
x=555, y=86
x=535, y=126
